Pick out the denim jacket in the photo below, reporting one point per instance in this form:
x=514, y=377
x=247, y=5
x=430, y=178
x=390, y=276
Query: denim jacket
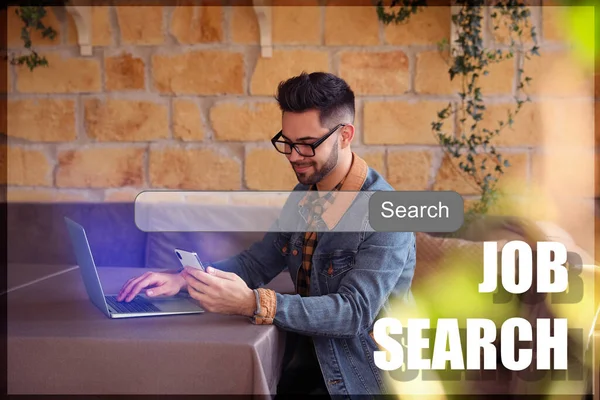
x=353, y=278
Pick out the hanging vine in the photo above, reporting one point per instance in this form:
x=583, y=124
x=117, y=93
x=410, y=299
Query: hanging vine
x=469, y=60
x=32, y=17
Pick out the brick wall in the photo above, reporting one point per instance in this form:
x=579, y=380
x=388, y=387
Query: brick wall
x=179, y=97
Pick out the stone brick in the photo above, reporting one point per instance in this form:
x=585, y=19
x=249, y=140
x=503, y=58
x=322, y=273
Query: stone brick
x=244, y=26
x=265, y=169
x=125, y=120
x=100, y=167
x=503, y=34
x=291, y=24
x=209, y=72
x=284, y=64
x=197, y=24
x=245, y=122
x=499, y=79
x=516, y=206
x=400, y=122
x=409, y=170
x=432, y=76
x=382, y=73
x=469, y=204
x=544, y=69
x=515, y=177
x=572, y=115
x=14, y=25
x=141, y=25
x=45, y=196
x=42, y=120
x=526, y=130
x=428, y=26
x=537, y=167
x=121, y=195
x=297, y=24
x=553, y=23
x=193, y=169
x=568, y=152
x=187, y=122
x=374, y=159
x=555, y=178
x=5, y=80
x=351, y=25
x=102, y=34
x=124, y=72
x=101, y=28
x=62, y=75
x=575, y=149
x=24, y=167
x=451, y=177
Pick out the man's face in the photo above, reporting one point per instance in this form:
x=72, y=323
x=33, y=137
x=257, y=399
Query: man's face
x=305, y=128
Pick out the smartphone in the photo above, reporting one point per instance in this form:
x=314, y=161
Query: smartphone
x=189, y=259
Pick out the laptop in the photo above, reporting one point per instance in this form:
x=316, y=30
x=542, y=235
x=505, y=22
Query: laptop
x=140, y=306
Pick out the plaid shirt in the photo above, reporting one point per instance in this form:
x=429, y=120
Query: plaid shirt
x=318, y=205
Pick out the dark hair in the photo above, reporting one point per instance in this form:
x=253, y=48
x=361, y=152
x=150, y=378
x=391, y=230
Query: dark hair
x=322, y=91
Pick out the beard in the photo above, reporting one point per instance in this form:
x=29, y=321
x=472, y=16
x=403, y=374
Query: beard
x=332, y=160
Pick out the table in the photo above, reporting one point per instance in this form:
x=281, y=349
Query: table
x=20, y=275
x=60, y=343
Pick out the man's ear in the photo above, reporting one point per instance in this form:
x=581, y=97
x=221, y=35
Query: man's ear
x=347, y=135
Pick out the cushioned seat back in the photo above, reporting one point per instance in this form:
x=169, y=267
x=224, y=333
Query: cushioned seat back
x=210, y=246
x=36, y=233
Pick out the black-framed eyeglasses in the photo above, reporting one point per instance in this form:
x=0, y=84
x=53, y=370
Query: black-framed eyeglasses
x=304, y=149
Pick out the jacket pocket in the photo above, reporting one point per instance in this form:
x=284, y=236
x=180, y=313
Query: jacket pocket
x=282, y=244
x=333, y=267
x=371, y=338
x=370, y=346
x=289, y=246
x=336, y=263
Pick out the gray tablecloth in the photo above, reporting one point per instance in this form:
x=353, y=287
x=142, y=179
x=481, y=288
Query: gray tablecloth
x=19, y=275
x=60, y=343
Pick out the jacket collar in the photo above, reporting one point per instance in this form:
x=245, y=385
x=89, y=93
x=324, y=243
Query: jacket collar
x=343, y=198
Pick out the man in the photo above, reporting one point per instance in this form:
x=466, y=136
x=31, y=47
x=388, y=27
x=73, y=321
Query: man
x=343, y=279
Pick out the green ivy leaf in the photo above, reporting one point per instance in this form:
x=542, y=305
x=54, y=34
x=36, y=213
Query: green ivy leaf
x=32, y=17
x=469, y=59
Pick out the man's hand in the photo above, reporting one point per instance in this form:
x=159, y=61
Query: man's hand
x=220, y=292
x=161, y=284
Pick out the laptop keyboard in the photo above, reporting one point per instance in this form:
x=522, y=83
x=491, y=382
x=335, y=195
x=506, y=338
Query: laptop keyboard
x=137, y=305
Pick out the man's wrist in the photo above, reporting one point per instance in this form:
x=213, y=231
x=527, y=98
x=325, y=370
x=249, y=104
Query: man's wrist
x=251, y=304
x=267, y=307
x=182, y=282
